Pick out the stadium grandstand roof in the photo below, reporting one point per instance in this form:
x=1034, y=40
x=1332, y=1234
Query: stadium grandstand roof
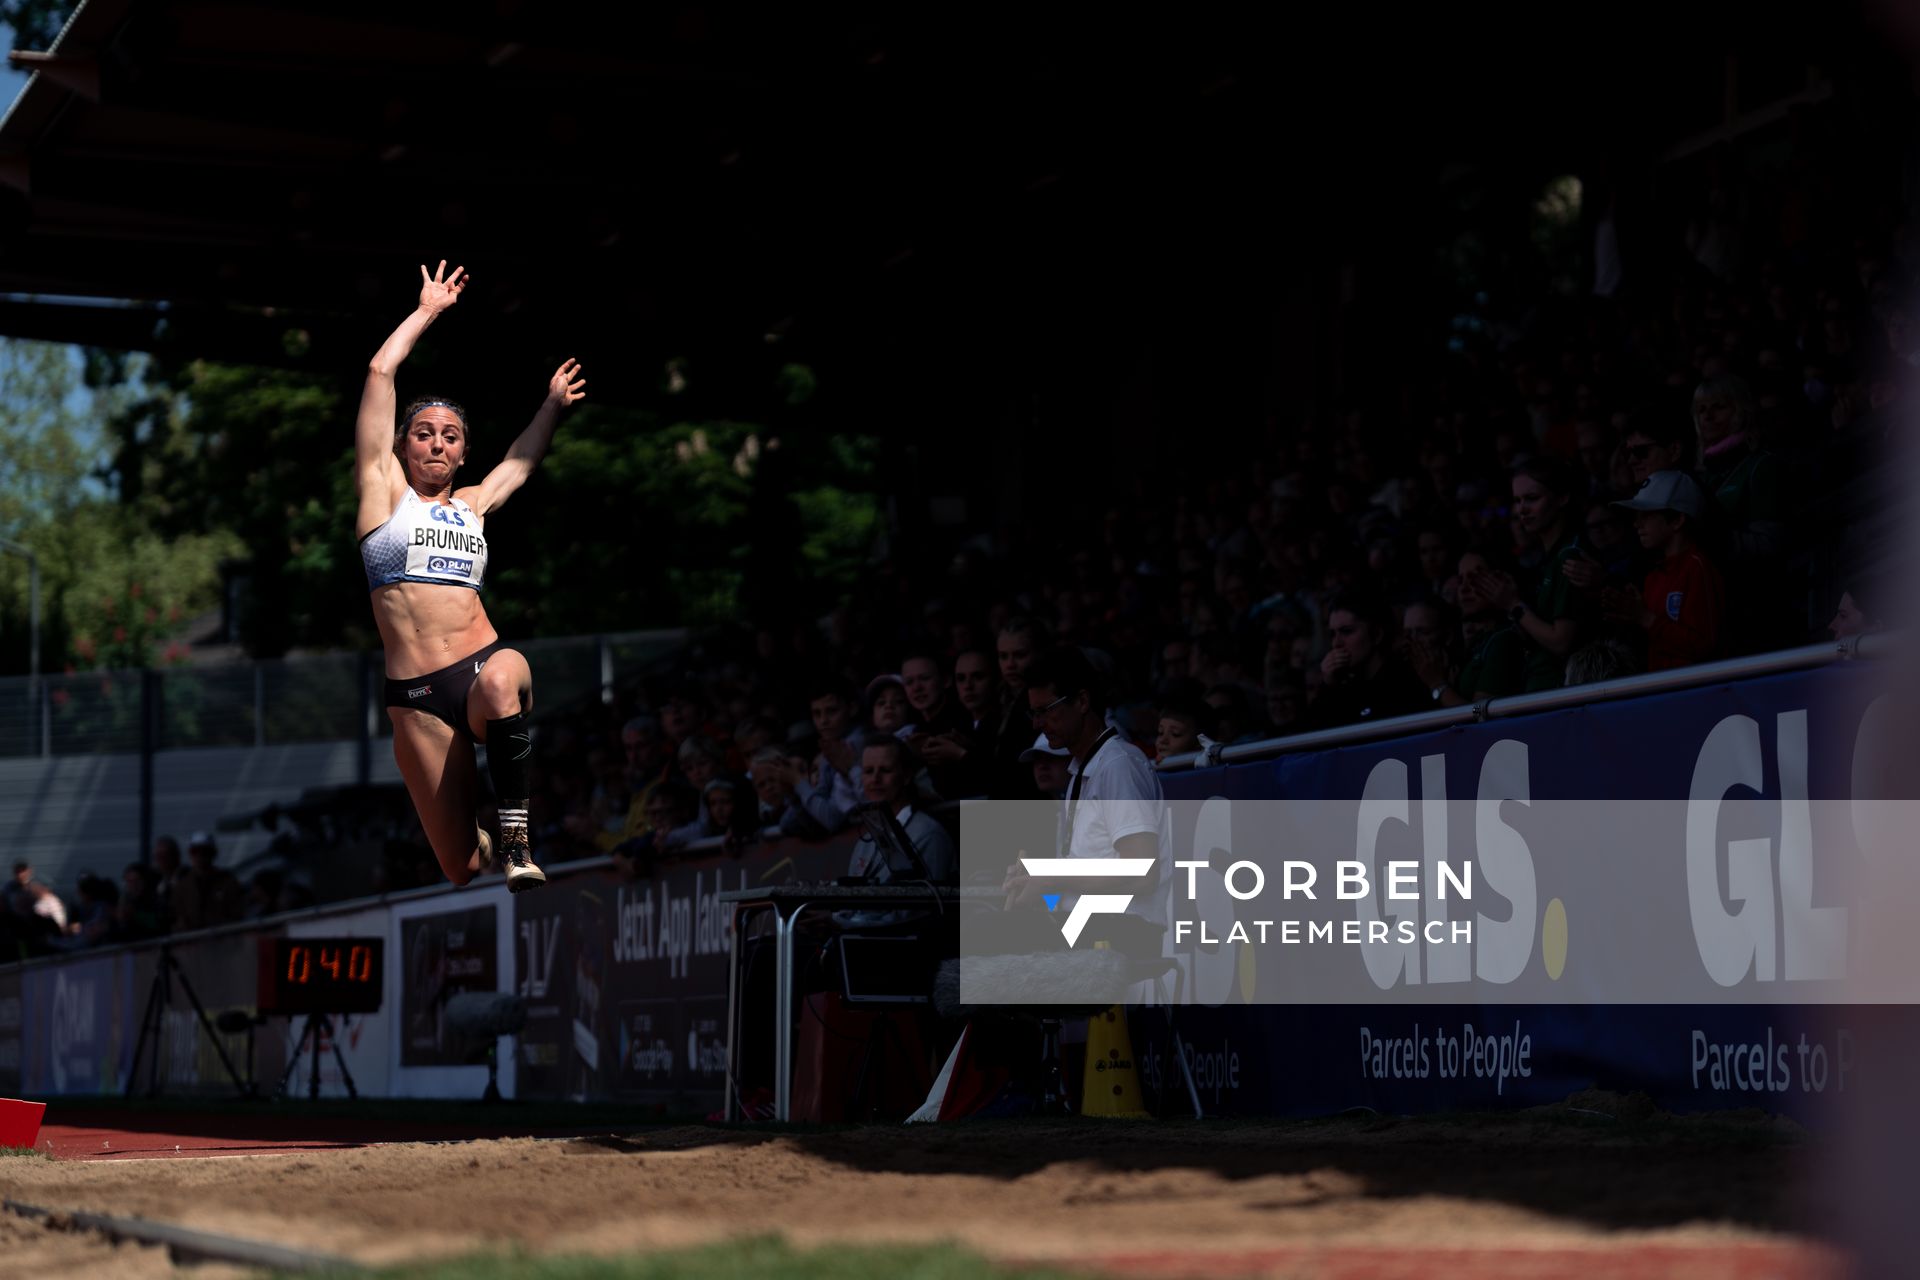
x=256, y=181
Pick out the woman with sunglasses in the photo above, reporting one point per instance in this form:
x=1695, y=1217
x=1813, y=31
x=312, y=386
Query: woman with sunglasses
x=450, y=682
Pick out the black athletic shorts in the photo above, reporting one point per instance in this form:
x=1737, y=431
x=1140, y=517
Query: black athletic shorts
x=443, y=693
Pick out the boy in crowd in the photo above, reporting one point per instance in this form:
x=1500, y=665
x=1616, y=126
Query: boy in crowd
x=832, y=794
x=1049, y=767
x=1682, y=605
x=1179, y=729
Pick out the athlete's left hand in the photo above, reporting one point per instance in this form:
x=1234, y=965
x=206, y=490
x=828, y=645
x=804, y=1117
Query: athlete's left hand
x=566, y=387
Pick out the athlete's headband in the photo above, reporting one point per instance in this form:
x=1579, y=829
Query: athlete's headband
x=425, y=405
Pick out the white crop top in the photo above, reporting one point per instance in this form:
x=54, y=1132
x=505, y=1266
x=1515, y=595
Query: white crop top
x=426, y=542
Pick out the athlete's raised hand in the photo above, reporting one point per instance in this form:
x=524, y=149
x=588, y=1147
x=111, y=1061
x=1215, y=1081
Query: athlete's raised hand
x=440, y=290
x=568, y=384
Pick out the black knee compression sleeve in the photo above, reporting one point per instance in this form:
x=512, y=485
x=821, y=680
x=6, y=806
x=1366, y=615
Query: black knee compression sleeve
x=509, y=747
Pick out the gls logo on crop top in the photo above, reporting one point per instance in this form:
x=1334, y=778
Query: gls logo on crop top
x=446, y=546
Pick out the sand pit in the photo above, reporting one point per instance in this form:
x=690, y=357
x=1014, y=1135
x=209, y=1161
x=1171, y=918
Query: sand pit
x=1118, y=1193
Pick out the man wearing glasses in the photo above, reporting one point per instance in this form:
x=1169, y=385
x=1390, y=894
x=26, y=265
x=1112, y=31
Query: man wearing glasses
x=1655, y=444
x=1114, y=807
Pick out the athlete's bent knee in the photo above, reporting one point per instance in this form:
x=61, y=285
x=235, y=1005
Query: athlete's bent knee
x=498, y=689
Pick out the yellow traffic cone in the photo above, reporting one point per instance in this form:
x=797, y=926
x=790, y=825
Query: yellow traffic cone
x=1112, y=1083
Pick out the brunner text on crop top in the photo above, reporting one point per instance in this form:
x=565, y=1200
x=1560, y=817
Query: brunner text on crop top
x=426, y=542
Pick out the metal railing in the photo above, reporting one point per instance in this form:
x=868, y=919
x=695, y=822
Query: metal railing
x=328, y=698
x=1526, y=704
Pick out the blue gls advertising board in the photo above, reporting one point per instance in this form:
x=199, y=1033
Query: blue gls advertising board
x=1809, y=734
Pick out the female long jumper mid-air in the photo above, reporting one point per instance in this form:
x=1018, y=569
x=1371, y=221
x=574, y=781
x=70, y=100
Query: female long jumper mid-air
x=450, y=682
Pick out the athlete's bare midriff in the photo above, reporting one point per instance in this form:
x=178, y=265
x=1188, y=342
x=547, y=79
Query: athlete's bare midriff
x=425, y=626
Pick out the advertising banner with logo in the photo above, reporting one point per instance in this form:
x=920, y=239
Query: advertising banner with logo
x=1713, y=933
x=626, y=981
x=442, y=955
x=1697, y=934
x=77, y=1023
x=1321, y=1059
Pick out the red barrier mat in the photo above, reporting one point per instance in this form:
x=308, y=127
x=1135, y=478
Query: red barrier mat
x=20, y=1122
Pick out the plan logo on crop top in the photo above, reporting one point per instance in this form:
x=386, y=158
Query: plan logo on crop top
x=447, y=515
x=450, y=564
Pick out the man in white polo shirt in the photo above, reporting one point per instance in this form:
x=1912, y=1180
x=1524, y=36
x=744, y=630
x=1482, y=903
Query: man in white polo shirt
x=1114, y=807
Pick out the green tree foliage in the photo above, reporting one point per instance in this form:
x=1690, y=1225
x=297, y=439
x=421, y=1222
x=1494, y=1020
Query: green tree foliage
x=45, y=460
x=838, y=515
x=263, y=456
x=43, y=474
x=681, y=524
x=631, y=522
x=112, y=589
x=127, y=591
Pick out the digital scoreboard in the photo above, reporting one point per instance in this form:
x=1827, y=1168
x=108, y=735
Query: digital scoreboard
x=321, y=975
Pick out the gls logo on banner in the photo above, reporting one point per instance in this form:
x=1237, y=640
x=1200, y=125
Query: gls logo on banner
x=1089, y=904
x=447, y=515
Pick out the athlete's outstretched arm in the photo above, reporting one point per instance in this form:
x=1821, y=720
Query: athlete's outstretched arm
x=565, y=388
x=373, y=430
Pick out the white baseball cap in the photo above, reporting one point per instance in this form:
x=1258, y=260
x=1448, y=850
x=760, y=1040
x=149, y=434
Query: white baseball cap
x=1040, y=748
x=1667, y=491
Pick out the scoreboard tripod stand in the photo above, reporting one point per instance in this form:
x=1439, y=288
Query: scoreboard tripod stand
x=322, y=979
x=312, y=1036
